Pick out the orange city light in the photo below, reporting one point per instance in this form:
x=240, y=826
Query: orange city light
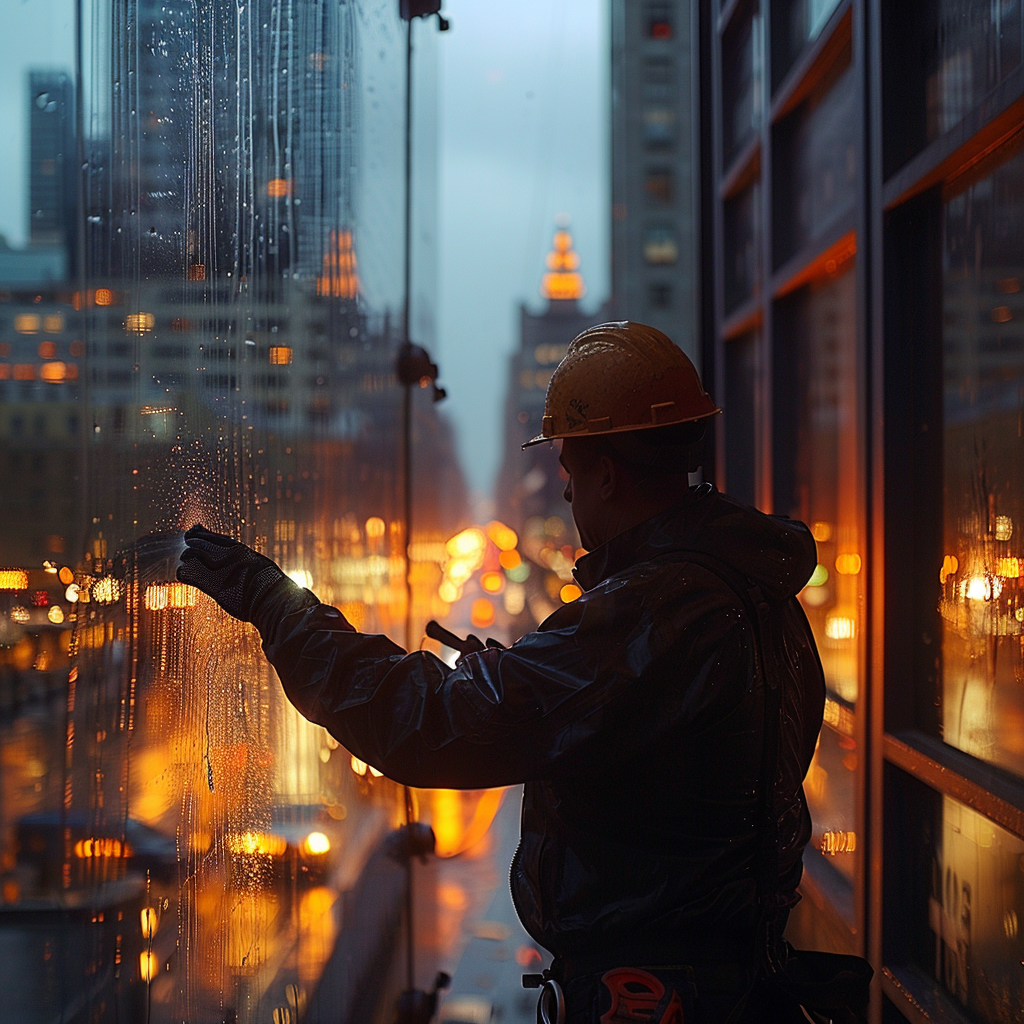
x=569, y=593
x=492, y=582
x=481, y=613
x=13, y=579
x=169, y=595
x=278, y=188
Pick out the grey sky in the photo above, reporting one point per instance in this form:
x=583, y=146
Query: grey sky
x=523, y=138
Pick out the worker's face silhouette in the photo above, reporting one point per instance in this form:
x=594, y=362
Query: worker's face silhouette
x=590, y=489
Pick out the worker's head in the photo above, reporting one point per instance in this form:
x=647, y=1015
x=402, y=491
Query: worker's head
x=630, y=410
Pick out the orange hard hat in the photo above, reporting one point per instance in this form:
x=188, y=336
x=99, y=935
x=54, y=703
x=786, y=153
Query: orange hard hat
x=621, y=376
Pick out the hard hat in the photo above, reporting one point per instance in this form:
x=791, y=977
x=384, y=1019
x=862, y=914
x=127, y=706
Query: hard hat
x=621, y=376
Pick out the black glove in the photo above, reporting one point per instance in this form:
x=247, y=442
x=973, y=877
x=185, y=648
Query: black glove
x=235, y=576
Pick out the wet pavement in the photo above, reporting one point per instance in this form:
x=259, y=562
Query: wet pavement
x=491, y=950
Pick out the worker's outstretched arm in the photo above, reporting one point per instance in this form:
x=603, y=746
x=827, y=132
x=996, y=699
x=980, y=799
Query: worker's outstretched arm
x=501, y=716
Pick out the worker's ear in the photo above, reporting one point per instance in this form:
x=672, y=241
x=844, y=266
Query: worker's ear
x=609, y=478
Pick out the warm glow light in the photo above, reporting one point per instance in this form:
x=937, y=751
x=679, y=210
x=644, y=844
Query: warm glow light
x=139, y=323
x=515, y=599
x=492, y=582
x=840, y=627
x=149, y=922
x=66, y=575
x=821, y=531
x=834, y=842
x=374, y=772
x=481, y=613
x=47, y=349
x=106, y=590
x=562, y=282
x=252, y=843
x=104, y=297
x=358, y=766
x=848, y=564
x=27, y=323
x=13, y=579
x=504, y=537
x=52, y=324
x=469, y=542
x=316, y=844
x=949, y=567
x=169, y=595
x=72, y=593
x=149, y=966
x=55, y=614
x=375, y=528
x=278, y=188
x=981, y=588
x=87, y=849
x=303, y=577
x=1004, y=527
x=280, y=355
x=509, y=559
x=569, y=593
x=1009, y=568
x=338, y=277
x=20, y=614
x=448, y=592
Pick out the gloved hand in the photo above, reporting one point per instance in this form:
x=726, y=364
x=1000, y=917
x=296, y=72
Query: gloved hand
x=234, y=575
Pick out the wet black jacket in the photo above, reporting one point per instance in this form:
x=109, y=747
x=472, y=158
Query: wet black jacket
x=634, y=715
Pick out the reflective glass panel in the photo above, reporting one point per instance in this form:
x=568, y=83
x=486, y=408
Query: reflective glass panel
x=739, y=421
x=983, y=464
x=742, y=67
x=816, y=155
x=817, y=416
x=742, y=244
x=795, y=23
x=201, y=301
x=970, y=49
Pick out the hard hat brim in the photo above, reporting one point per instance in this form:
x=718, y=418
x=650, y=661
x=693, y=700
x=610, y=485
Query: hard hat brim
x=628, y=429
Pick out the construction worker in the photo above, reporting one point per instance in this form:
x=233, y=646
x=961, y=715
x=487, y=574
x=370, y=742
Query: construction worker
x=662, y=723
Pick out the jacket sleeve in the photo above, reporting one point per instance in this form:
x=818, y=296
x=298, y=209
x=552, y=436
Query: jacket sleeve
x=501, y=716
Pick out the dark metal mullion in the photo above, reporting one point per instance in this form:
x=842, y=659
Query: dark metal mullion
x=872, y=267
x=991, y=792
x=764, y=386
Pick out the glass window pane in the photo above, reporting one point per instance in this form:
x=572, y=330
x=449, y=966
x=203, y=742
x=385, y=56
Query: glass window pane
x=742, y=245
x=983, y=356
x=960, y=881
x=200, y=300
x=816, y=414
x=795, y=23
x=742, y=60
x=816, y=154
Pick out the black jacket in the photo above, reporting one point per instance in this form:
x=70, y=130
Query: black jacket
x=634, y=716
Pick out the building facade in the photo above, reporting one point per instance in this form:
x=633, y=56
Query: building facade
x=863, y=190
x=653, y=164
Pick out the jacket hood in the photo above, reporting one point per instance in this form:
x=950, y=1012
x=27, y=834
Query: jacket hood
x=776, y=553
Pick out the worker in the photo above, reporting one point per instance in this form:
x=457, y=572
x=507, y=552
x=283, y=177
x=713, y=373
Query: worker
x=662, y=723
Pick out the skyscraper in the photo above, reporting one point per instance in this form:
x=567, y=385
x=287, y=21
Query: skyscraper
x=52, y=191
x=653, y=168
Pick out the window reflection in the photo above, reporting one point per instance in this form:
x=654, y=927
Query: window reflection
x=206, y=335
x=817, y=409
x=980, y=575
x=742, y=71
x=795, y=23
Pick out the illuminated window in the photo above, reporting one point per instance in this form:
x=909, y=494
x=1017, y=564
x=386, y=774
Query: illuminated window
x=27, y=323
x=280, y=355
x=53, y=324
x=659, y=28
x=139, y=323
x=660, y=245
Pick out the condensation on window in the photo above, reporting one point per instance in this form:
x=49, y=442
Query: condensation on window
x=198, y=325
x=982, y=679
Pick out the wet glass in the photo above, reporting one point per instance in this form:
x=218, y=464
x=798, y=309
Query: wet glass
x=823, y=487
x=200, y=304
x=742, y=68
x=816, y=153
x=795, y=24
x=982, y=605
x=961, y=882
x=970, y=49
x=742, y=246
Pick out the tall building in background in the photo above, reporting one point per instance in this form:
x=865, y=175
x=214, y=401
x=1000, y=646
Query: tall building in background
x=653, y=168
x=51, y=179
x=531, y=483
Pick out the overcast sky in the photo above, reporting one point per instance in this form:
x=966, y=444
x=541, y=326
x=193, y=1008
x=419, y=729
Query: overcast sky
x=523, y=138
